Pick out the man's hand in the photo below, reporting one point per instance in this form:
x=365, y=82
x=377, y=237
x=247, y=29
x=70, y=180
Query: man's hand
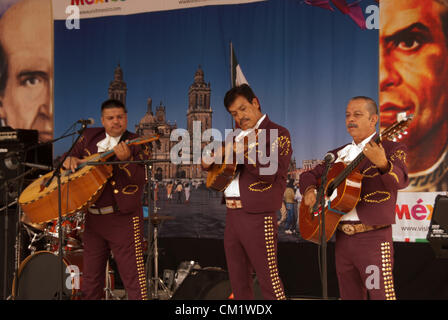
x=376, y=154
x=209, y=159
x=72, y=163
x=310, y=197
x=122, y=151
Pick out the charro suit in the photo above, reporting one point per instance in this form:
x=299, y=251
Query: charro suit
x=250, y=237
x=359, y=255
x=119, y=230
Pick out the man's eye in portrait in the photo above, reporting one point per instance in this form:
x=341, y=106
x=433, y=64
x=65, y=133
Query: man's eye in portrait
x=412, y=43
x=411, y=39
x=31, y=82
x=32, y=79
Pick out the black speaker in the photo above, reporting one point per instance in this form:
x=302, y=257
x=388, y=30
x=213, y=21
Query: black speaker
x=438, y=228
x=209, y=284
x=19, y=149
x=204, y=284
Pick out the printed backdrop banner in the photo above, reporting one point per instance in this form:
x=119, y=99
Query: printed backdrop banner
x=172, y=70
x=102, y=8
x=413, y=215
x=413, y=77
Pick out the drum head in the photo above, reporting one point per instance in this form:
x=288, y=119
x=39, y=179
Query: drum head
x=39, y=278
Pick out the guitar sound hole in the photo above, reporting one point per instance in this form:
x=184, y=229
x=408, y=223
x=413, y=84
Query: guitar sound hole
x=330, y=190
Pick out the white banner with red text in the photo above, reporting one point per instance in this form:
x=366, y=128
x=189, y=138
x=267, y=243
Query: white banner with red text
x=63, y=9
x=413, y=213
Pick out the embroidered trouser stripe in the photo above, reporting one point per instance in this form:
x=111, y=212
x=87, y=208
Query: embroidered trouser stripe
x=250, y=242
x=122, y=234
x=386, y=269
x=364, y=265
x=139, y=258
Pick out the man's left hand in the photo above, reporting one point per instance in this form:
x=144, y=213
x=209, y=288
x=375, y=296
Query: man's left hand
x=122, y=151
x=376, y=154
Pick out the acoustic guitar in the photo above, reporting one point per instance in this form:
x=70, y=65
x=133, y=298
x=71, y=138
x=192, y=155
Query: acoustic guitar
x=79, y=189
x=343, y=190
x=219, y=176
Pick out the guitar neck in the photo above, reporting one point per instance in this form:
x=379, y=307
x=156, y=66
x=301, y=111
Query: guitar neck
x=349, y=169
x=391, y=132
x=108, y=154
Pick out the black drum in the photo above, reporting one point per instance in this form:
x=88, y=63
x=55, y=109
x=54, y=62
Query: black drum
x=39, y=276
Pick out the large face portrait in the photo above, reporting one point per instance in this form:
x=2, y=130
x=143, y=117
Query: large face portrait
x=414, y=74
x=26, y=37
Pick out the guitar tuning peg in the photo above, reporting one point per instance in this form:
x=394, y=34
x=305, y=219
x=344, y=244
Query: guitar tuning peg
x=394, y=139
x=405, y=132
x=399, y=136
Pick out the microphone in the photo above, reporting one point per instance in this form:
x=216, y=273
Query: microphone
x=329, y=158
x=86, y=121
x=37, y=166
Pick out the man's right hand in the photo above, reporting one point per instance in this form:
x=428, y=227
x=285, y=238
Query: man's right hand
x=310, y=197
x=72, y=163
x=209, y=159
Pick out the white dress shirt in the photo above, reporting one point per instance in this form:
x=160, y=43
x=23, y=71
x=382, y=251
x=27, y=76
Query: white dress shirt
x=107, y=143
x=347, y=155
x=233, y=189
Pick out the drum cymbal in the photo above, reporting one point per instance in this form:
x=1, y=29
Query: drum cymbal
x=37, y=226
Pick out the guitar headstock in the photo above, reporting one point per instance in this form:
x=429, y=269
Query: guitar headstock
x=396, y=131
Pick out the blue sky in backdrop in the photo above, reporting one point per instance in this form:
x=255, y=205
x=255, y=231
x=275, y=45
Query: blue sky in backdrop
x=304, y=63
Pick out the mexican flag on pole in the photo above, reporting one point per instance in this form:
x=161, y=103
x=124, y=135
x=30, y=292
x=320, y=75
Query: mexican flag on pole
x=236, y=74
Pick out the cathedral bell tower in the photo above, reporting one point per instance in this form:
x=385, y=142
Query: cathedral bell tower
x=117, y=87
x=199, y=103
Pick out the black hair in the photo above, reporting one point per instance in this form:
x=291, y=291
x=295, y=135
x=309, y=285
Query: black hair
x=290, y=184
x=242, y=90
x=113, y=103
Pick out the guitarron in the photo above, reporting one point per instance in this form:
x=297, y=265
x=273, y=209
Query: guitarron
x=79, y=189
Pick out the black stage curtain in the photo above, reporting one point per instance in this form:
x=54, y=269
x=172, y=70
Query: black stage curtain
x=418, y=273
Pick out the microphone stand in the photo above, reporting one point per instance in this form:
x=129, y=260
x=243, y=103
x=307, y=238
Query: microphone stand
x=148, y=168
x=148, y=175
x=5, y=262
x=16, y=180
x=55, y=140
x=17, y=246
x=57, y=174
x=320, y=201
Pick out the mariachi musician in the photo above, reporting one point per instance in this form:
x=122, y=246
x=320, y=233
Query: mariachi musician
x=252, y=199
x=364, y=235
x=115, y=221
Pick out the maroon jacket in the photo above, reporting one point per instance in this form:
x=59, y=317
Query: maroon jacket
x=376, y=205
x=264, y=193
x=126, y=185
